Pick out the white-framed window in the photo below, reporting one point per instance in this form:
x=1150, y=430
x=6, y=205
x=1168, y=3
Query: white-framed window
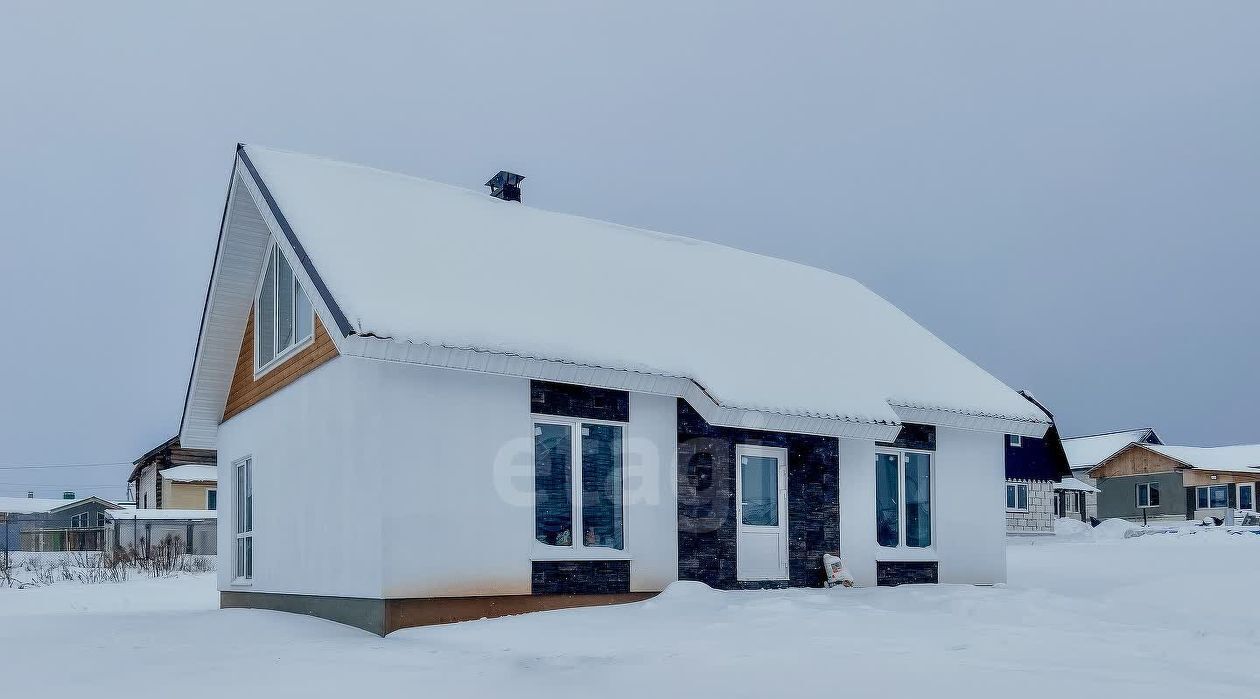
x=1148, y=494
x=1014, y=440
x=212, y=498
x=579, y=483
x=79, y=521
x=903, y=498
x=243, y=490
x=1071, y=502
x=1017, y=497
x=1212, y=496
x=284, y=320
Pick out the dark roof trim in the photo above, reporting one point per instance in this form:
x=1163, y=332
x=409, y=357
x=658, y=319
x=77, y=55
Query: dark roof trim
x=91, y=498
x=1151, y=430
x=1029, y=397
x=140, y=462
x=154, y=451
x=343, y=324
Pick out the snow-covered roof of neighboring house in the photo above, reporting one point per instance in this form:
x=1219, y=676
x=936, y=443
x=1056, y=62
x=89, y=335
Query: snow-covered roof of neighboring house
x=31, y=505
x=192, y=473
x=507, y=287
x=41, y=505
x=1242, y=458
x=1075, y=484
x=1090, y=450
x=155, y=514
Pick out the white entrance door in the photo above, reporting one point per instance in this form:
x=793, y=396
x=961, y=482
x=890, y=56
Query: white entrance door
x=761, y=514
x=1247, y=497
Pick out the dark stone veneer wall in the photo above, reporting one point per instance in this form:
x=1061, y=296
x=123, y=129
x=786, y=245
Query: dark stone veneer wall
x=706, y=501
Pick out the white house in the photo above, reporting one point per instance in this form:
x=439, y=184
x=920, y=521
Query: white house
x=516, y=409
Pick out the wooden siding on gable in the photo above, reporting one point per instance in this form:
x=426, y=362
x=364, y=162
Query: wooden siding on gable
x=1135, y=461
x=246, y=391
x=1200, y=477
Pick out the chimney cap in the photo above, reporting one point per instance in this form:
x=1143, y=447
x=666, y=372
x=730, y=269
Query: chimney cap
x=506, y=186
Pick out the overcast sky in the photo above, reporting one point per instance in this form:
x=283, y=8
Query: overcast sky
x=1066, y=192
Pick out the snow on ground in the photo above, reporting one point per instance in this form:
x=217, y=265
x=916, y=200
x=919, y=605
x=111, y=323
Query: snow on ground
x=1153, y=616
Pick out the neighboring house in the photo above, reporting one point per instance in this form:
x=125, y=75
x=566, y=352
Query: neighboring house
x=1072, y=498
x=40, y=524
x=1087, y=451
x=171, y=476
x=517, y=410
x=1153, y=481
x=1034, y=467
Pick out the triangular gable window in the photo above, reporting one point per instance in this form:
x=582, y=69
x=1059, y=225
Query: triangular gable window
x=283, y=317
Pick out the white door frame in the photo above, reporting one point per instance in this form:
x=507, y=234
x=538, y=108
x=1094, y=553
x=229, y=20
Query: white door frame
x=1252, y=488
x=781, y=455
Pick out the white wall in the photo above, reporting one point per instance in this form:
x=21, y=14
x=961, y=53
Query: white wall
x=146, y=495
x=375, y=479
x=969, y=509
x=317, y=487
x=459, y=495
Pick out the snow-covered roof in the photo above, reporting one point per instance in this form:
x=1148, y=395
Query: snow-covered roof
x=1091, y=450
x=31, y=505
x=1242, y=458
x=40, y=505
x=155, y=514
x=191, y=473
x=1075, y=484
x=410, y=262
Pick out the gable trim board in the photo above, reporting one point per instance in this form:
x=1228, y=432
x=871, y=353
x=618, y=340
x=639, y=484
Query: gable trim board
x=239, y=257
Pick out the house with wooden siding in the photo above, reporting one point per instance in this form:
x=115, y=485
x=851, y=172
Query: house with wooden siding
x=1087, y=451
x=170, y=476
x=519, y=410
x=1145, y=482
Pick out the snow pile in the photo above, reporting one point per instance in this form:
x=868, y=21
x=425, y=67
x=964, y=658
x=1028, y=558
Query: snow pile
x=1114, y=529
x=380, y=240
x=1072, y=528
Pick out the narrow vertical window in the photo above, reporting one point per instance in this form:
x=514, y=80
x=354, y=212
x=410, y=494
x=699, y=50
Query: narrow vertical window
x=284, y=305
x=919, y=500
x=244, y=516
x=887, y=505
x=304, y=317
x=553, y=484
x=602, y=506
x=264, y=321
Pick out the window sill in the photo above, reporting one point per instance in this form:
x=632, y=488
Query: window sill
x=283, y=357
x=544, y=552
x=1016, y=512
x=242, y=582
x=905, y=553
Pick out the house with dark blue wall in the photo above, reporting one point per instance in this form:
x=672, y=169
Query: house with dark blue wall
x=1036, y=469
